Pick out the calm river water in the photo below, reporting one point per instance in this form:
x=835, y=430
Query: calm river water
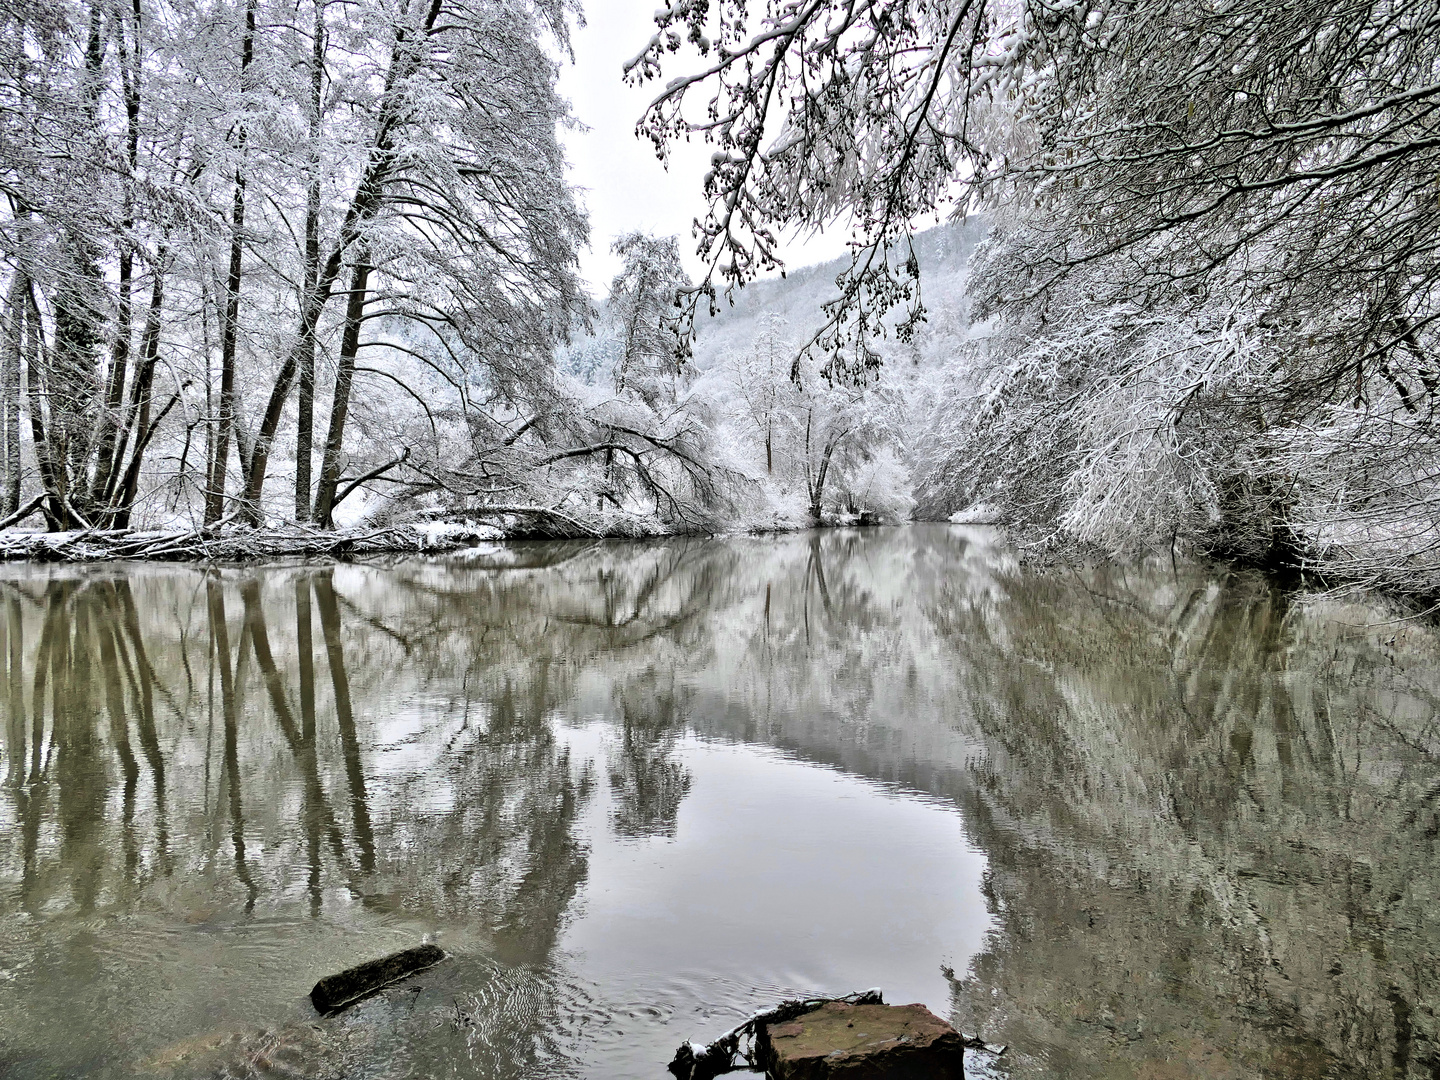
x=1132, y=821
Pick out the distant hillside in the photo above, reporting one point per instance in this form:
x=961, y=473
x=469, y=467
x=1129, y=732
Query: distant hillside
x=944, y=254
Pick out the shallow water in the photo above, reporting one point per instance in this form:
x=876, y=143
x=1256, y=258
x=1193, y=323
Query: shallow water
x=1131, y=821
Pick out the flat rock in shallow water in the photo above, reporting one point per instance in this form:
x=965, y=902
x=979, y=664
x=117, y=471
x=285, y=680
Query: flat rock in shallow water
x=873, y=1042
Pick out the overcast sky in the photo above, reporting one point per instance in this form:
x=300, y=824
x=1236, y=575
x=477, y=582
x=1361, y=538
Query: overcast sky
x=625, y=187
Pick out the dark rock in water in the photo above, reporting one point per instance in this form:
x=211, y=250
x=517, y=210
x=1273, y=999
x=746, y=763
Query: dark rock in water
x=336, y=992
x=696, y=1062
x=873, y=1042
x=701, y=1061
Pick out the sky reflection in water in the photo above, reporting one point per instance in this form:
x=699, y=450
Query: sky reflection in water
x=1132, y=821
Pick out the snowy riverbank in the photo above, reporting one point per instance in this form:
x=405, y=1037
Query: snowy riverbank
x=292, y=541
x=95, y=545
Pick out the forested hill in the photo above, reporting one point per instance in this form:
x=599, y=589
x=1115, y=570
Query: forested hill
x=798, y=296
x=786, y=439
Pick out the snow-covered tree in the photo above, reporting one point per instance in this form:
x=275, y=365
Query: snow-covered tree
x=1215, y=250
x=650, y=360
x=841, y=428
x=762, y=381
x=818, y=444
x=1177, y=137
x=212, y=208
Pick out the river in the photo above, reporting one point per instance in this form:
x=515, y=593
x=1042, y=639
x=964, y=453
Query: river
x=1156, y=821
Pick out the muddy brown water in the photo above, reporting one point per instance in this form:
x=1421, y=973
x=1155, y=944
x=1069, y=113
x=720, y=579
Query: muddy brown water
x=1133, y=821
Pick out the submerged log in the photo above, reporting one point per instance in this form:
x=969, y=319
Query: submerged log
x=340, y=991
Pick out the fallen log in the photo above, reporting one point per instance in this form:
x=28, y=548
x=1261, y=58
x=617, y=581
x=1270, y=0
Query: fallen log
x=336, y=992
x=239, y=545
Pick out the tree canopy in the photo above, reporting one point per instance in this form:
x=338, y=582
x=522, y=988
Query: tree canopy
x=1213, y=263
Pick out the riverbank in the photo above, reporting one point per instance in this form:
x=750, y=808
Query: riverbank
x=238, y=544
x=243, y=545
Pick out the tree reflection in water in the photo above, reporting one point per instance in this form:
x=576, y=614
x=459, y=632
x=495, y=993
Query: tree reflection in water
x=266, y=767
x=1210, y=817
x=1209, y=810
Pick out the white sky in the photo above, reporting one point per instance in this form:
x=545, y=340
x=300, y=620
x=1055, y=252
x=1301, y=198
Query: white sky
x=625, y=187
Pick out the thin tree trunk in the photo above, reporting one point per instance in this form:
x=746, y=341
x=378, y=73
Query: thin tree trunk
x=137, y=424
x=14, y=330
x=129, y=484
x=55, y=516
x=817, y=493
x=340, y=406
x=115, y=384
x=305, y=422
x=107, y=460
x=809, y=469
x=215, y=499
x=210, y=414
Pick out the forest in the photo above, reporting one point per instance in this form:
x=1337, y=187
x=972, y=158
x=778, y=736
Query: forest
x=314, y=268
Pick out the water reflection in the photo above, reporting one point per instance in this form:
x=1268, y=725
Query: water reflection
x=1212, y=831
x=636, y=788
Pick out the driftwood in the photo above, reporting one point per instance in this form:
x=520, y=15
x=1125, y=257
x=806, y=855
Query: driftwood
x=340, y=991
x=424, y=532
x=702, y=1061
x=238, y=545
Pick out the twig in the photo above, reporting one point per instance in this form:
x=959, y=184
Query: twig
x=371, y=475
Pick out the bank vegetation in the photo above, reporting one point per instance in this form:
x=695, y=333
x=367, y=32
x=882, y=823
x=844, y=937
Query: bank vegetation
x=312, y=269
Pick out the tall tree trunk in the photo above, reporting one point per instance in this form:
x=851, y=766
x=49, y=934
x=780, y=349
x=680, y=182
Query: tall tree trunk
x=137, y=423
x=115, y=382
x=215, y=499
x=210, y=414
x=305, y=422
x=72, y=363
x=10, y=346
x=340, y=405
x=56, y=516
x=107, y=460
